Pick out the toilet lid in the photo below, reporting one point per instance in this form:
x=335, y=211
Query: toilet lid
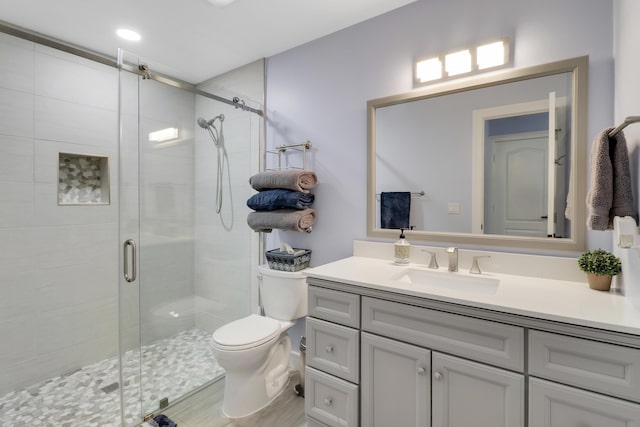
x=250, y=331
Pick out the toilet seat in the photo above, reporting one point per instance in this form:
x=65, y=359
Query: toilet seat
x=245, y=333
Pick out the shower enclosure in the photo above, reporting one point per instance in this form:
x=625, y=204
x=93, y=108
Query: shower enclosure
x=186, y=249
x=90, y=335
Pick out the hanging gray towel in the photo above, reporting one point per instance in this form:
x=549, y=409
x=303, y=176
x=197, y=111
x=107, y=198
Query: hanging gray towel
x=395, y=207
x=610, y=192
x=297, y=180
x=283, y=219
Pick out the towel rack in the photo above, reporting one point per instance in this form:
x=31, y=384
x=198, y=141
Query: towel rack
x=627, y=121
x=302, y=147
x=413, y=194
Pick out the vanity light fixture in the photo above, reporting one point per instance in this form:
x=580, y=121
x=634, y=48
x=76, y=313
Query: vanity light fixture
x=481, y=58
x=457, y=63
x=491, y=55
x=127, y=34
x=429, y=69
x=163, y=135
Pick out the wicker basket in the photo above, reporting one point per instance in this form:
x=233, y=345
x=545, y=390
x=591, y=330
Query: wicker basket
x=283, y=261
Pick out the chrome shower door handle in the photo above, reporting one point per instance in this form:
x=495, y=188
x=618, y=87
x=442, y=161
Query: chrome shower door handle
x=129, y=243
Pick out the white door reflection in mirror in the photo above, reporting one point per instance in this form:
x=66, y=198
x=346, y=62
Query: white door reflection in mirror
x=516, y=190
x=519, y=169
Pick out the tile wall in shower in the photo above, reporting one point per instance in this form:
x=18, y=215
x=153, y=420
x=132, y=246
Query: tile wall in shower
x=58, y=280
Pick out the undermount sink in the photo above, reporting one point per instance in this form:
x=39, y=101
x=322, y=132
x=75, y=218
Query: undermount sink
x=449, y=280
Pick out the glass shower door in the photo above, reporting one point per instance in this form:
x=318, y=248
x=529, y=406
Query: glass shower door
x=193, y=267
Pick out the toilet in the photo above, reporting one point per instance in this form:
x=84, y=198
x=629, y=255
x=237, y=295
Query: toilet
x=255, y=350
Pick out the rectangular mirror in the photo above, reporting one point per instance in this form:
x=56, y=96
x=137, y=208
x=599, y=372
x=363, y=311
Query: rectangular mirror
x=490, y=160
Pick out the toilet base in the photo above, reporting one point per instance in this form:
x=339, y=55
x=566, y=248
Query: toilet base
x=247, y=391
x=284, y=387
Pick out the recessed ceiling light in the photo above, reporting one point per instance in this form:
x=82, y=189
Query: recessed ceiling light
x=128, y=34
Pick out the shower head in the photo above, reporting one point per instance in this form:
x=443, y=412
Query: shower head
x=202, y=123
x=205, y=124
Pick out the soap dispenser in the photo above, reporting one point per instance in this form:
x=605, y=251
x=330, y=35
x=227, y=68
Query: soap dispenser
x=401, y=249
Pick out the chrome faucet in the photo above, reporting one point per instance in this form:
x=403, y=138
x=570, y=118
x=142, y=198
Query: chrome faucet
x=453, y=258
x=433, y=261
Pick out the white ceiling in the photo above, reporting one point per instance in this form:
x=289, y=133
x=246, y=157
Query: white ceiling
x=194, y=38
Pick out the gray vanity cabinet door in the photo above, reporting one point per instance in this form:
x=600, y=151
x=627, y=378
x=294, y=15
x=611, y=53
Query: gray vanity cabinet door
x=469, y=394
x=555, y=405
x=394, y=379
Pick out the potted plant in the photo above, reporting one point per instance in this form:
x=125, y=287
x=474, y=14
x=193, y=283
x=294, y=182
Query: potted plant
x=600, y=267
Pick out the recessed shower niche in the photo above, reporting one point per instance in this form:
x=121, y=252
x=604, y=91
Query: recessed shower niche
x=83, y=179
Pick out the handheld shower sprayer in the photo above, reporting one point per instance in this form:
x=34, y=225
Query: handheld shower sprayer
x=218, y=140
x=205, y=124
x=210, y=127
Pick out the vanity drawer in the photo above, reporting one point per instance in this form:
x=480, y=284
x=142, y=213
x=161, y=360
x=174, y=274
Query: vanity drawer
x=597, y=366
x=334, y=306
x=333, y=348
x=481, y=340
x=330, y=400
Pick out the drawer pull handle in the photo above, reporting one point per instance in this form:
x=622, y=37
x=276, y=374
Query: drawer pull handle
x=421, y=371
x=329, y=349
x=328, y=401
x=437, y=376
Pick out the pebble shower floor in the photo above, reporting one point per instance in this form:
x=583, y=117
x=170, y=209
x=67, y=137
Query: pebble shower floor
x=89, y=396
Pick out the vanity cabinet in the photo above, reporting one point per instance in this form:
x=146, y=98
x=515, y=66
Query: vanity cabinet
x=396, y=385
x=333, y=358
x=466, y=394
x=610, y=373
x=555, y=405
x=398, y=360
x=403, y=381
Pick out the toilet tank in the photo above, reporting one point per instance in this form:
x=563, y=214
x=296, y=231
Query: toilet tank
x=283, y=294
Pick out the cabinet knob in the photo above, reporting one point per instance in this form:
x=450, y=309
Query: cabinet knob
x=421, y=371
x=329, y=348
x=437, y=376
x=328, y=401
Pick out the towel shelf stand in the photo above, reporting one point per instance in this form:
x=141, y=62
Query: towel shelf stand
x=627, y=121
x=302, y=147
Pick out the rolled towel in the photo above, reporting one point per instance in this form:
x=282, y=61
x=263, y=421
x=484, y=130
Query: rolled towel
x=297, y=180
x=269, y=200
x=283, y=219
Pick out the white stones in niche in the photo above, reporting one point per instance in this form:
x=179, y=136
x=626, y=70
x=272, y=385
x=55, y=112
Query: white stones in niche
x=83, y=179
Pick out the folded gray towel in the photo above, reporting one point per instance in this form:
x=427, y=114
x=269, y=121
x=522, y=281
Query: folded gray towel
x=610, y=192
x=297, y=180
x=283, y=219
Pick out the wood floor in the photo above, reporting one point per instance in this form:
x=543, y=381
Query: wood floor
x=203, y=409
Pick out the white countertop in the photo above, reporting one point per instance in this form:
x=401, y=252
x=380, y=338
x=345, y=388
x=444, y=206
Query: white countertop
x=558, y=300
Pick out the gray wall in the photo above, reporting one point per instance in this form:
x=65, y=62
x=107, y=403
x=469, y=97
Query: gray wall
x=319, y=91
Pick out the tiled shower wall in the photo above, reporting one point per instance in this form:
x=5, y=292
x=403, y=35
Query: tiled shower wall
x=225, y=251
x=58, y=282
